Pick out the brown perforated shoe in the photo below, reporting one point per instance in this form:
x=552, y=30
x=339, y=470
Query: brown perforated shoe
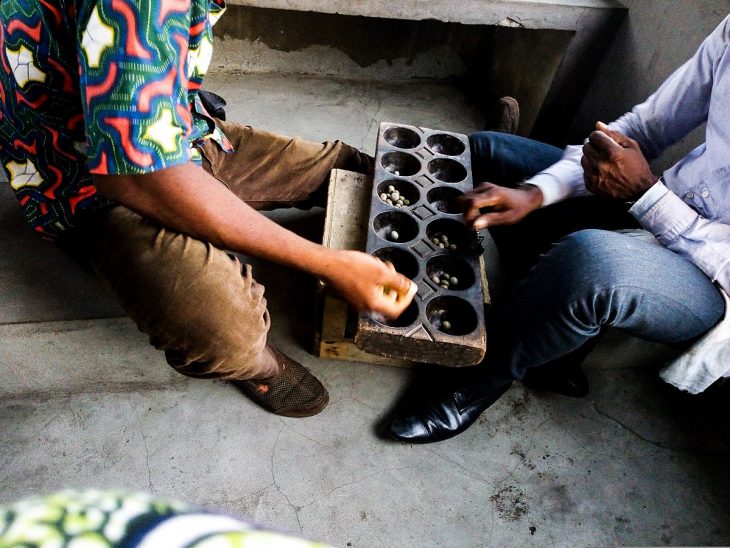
x=294, y=392
x=505, y=116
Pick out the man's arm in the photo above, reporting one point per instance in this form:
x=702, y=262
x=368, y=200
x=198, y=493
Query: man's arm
x=704, y=242
x=678, y=106
x=188, y=199
x=493, y=205
x=615, y=167
x=681, y=103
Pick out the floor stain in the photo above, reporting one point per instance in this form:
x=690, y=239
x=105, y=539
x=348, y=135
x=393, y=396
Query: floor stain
x=510, y=503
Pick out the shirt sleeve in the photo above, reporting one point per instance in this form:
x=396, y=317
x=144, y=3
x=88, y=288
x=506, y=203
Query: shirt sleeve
x=680, y=228
x=134, y=84
x=563, y=179
x=681, y=103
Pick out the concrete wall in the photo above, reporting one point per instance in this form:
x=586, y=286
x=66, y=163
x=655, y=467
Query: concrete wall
x=488, y=60
x=656, y=37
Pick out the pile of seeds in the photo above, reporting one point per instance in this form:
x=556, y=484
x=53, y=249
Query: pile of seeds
x=442, y=240
x=394, y=198
x=445, y=280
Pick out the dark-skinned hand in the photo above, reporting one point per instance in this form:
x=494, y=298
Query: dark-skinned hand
x=614, y=166
x=492, y=205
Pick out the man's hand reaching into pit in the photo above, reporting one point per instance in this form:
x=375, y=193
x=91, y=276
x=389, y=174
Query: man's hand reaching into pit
x=614, y=166
x=492, y=205
x=369, y=284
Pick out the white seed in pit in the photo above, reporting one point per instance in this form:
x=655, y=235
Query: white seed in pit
x=446, y=325
x=397, y=172
x=436, y=241
x=453, y=247
x=394, y=235
x=442, y=246
x=445, y=239
x=436, y=279
x=406, y=202
x=391, y=188
x=399, y=203
x=454, y=280
x=389, y=201
x=395, y=195
x=383, y=196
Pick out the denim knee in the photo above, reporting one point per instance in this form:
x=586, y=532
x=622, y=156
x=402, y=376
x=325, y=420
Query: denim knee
x=606, y=278
x=506, y=159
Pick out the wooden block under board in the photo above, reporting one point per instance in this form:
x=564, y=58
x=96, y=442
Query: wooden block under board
x=348, y=200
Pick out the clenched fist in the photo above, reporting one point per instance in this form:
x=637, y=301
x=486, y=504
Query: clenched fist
x=614, y=166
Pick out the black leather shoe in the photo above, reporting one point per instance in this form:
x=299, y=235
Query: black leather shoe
x=446, y=415
x=571, y=382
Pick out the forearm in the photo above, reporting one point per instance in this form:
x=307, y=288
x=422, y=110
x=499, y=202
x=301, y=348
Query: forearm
x=680, y=228
x=188, y=199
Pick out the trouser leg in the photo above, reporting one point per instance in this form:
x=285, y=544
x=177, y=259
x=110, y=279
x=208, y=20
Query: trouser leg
x=269, y=170
x=194, y=301
x=593, y=279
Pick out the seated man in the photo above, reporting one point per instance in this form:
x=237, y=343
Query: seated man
x=102, y=138
x=578, y=272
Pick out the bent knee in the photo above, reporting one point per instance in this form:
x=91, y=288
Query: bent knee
x=218, y=330
x=629, y=271
x=600, y=257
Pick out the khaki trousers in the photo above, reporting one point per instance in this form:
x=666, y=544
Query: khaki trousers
x=195, y=301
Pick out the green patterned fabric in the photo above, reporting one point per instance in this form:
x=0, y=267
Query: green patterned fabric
x=98, y=87
x=96, y=519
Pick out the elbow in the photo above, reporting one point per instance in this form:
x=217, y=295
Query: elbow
x=109, y=186
x=125, y=190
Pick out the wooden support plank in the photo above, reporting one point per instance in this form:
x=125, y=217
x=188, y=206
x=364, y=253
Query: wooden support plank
x=345, y=228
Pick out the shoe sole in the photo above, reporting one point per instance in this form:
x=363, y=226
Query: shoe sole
x=300, y=412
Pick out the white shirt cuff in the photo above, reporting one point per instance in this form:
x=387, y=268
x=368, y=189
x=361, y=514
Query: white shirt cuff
x=549, y=185
x=647, y=201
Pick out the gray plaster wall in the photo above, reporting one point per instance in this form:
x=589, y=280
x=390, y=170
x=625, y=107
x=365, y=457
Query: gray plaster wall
x=656, y=37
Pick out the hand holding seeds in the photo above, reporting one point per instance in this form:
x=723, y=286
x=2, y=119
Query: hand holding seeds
x=614, y=166
x=369, y=284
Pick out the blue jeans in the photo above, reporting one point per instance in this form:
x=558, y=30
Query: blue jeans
x=578, y=275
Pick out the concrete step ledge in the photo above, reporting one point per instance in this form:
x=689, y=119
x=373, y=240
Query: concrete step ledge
x=60, y=359
x=536, y=14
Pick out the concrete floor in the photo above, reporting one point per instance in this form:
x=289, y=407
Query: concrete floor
x=85, y=402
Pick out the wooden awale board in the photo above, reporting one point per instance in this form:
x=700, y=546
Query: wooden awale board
x=345, y=227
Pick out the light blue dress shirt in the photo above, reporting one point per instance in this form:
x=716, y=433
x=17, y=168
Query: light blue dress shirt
x=688, y=211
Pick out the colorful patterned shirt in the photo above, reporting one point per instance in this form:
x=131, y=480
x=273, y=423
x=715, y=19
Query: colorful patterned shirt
x=98, y=87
